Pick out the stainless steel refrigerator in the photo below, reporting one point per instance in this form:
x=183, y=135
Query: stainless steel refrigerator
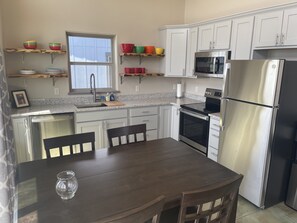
x=258, y=122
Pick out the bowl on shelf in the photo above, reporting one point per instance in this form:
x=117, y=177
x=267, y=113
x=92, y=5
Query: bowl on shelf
x=54, y=71
x=27, y=71
x=30, y=44
x=149, y=49
x=139, y=49
x=127, y=47
x=139, y=70
x=159, y=50
x=129, y=70
x=55, y=46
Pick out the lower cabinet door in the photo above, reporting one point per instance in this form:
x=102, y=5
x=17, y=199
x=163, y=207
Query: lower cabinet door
x=97, y=127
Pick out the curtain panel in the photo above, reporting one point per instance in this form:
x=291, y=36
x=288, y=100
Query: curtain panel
x=7, y=152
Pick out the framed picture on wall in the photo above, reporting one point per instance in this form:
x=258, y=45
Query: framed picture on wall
x=20, y=98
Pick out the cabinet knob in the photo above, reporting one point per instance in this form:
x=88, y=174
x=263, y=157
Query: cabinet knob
x=213, y=44
x=210, y=45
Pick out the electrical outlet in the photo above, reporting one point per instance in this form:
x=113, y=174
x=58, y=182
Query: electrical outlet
x=196, y=89
x=56, y=91
x=174, y=86
x=137, y=88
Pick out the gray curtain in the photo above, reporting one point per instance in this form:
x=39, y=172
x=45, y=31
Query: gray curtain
x=7, y=152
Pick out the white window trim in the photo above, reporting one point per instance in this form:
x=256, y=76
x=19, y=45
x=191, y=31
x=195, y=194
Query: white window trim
x=114, y=64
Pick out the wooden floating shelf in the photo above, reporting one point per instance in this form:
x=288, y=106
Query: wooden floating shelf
x=23, y=50
x=142, y=54
x=36, y=75
x=53, y=76
x=140, y=75
x=139, y=55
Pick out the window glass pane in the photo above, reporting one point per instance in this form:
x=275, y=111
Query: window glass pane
x=89, y=49
x=80, y=76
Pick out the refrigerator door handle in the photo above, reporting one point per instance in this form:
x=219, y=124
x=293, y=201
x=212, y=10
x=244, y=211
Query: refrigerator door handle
x=223, y=109
x=227, y=77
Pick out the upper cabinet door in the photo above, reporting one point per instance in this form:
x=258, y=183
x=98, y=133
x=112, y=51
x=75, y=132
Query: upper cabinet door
x=176, y=52
x=191, y=50
x=289, y=30
x=205, y=37
x=222, y=33
x=241, y=38
x=268, y=28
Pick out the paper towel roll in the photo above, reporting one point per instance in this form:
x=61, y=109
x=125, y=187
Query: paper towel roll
x=179, y=93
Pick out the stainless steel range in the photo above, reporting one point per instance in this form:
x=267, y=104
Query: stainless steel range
x=194, y=120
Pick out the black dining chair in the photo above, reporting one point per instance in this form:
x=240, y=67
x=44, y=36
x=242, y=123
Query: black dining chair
x=149, y=212
x=212, y=204
x=126, y=132
x=69, y=141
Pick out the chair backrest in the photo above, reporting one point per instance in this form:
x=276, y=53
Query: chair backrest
x=126, y=131
x=212, y=204
x=151, y=210
x=69, y=141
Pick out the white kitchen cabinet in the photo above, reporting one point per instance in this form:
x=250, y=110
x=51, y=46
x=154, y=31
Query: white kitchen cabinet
x=213, y=140
x=175, y=43
x=191, y=50
x=241, y=38
x=276, y=29
x=148, y=116
x=215, y=36
x=99, y=122
x=22, y=138
x=165, y=121
x=175, y=122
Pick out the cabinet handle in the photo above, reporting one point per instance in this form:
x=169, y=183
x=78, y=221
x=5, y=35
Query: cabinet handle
x=215, y=135
x=213, y=44
x=145, y=112
x=184, y=72
x=277, y=39
x=210, y=45
x=215, y=125
x=212, y=153
x=282, y=39
x=146, y=121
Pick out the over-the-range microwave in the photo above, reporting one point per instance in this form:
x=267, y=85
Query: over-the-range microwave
x=211, y=64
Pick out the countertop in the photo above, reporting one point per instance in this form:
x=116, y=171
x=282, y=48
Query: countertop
x=69, y=108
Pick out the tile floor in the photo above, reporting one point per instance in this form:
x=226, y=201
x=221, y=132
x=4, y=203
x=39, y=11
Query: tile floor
x=280, y=213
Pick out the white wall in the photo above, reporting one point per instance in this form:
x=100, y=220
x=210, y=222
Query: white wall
x=200, y=10
x=135, y=21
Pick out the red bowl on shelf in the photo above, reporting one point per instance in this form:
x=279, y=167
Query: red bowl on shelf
x=55, y=46
x=129, y=70
x=140, y=70
x=127, y=47
x=30, y=44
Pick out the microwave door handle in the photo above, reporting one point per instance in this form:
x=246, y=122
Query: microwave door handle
x=214, y=65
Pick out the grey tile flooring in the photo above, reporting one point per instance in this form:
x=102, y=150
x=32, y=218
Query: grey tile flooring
x=280, y=213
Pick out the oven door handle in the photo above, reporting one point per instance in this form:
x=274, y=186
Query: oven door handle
x=196, y=115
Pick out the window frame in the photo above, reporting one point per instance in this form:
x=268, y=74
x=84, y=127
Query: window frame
x=113, y=64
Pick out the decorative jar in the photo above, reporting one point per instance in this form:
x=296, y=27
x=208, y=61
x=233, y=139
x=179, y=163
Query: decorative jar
x=66, y=185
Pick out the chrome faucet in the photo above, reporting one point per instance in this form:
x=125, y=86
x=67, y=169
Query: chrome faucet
x=93, y=86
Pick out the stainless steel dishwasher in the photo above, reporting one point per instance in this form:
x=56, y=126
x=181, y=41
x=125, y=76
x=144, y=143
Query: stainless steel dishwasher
x=47, y=126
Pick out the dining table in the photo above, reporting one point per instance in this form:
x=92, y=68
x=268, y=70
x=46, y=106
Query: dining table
x=113, y=180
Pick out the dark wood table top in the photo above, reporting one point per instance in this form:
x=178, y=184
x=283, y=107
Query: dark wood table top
x=114, y=180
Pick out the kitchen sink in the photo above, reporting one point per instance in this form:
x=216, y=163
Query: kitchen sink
x=101, y=104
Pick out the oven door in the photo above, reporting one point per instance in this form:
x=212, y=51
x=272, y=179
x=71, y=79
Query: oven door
x=193, y=129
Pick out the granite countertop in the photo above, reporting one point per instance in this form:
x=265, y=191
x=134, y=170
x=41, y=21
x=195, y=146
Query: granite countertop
x=70, y=108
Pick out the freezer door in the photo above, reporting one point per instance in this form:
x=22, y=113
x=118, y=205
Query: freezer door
x=244, y=142
x=256, y=81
